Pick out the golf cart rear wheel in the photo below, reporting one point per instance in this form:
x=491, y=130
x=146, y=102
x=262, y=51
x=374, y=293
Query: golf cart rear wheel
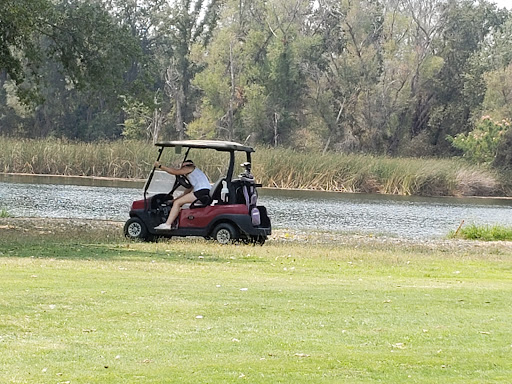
x=225, y=233
x=135, y=229
x=253, y=240
x=260, y=240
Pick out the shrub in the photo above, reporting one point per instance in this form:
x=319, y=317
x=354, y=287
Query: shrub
x=503, y=158
x=481, y=144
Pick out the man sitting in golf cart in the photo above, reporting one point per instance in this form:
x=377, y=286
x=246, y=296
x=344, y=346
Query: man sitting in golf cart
x=200, y=189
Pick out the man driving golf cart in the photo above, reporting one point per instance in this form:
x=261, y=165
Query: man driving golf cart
x=200, y=189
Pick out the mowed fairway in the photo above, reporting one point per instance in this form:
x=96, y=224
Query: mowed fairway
x=91, y=307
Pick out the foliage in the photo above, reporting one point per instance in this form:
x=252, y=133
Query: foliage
x=465, y=26
x=71, y=87
x=503, y=158
x=206, y=126
x=19, y=20
x=192, y=24
x=4, y=213
x=81, y=36
x=481, y=144
x=140, y=119
x=484, y=232
x=498, y=96
x=379, y=77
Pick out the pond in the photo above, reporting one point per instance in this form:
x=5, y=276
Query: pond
x=380, y=215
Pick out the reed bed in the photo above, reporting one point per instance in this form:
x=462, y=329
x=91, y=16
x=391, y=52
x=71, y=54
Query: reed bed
x=278, y=168
x=369, y=174
x=122, y=159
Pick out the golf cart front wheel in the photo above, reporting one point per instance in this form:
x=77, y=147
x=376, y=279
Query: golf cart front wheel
x=225, y=233
x=135, y=229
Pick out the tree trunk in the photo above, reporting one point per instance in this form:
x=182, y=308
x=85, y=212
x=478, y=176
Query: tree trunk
x=232, y=95
x=179, y=124
x=276, y=134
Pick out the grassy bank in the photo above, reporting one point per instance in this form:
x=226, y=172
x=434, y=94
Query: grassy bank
x=280, y=168
x=483, y=232
x=84, y=306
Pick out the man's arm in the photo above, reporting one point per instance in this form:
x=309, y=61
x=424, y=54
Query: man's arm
x=184, y=170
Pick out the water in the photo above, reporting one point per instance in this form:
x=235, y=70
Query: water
x=408, y=217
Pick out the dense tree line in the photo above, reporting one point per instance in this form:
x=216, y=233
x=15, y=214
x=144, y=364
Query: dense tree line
x=377, y=76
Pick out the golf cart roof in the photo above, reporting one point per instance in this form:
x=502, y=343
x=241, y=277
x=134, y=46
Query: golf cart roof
x=227, y=146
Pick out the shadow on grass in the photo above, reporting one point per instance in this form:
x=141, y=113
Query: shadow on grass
x=112, y=245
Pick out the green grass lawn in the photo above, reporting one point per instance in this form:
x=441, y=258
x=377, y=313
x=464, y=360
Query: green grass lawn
x=98, y=309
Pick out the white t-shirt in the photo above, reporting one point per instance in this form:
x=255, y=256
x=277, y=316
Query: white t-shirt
x=198, y=180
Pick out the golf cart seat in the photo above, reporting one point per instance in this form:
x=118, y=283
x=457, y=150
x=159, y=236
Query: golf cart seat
x=214, y=195
x=203, y=201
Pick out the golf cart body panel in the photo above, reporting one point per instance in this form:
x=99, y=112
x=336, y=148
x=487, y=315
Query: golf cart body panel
x=235, y=216
x=202, y=217
x=201, y=221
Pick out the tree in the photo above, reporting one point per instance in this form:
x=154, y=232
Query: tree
x=187, y=23
x=219, y=85
x=377, y=76
x=481, y=144
x=251, y=85
x=20, y=21
x=410, y=64
x=466, y=25
x=346, y=72
x=497, y=79
x=72, y=56
x=81, y=36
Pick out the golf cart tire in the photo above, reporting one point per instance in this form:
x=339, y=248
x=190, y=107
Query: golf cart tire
x=253, y=240
x=260, y=240
x=135, y=229
x=225, y=233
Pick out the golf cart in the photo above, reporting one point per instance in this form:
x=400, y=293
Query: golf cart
x=229, y=213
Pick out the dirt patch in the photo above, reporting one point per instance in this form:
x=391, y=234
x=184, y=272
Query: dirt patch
x=59, y=226
x=384, y=242
x=114, y=230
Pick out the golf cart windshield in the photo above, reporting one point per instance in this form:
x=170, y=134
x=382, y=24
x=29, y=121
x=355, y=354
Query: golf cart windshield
x=161, y=182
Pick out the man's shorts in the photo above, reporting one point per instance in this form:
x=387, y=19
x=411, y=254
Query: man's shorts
x=201, y=193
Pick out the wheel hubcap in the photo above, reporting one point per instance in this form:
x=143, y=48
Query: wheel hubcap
x=223, y=236
x=134, y=230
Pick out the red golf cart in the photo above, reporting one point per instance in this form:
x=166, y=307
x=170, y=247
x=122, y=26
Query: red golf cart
x=230, y=213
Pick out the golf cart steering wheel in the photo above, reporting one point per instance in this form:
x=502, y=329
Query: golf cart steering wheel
x=183, y=181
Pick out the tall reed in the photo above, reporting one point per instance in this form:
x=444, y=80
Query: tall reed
x=122, y=159
x=280, y=168
x=363, y=173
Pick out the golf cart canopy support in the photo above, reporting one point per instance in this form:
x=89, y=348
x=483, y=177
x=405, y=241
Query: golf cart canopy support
x=226, y=146
x=217, y=145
